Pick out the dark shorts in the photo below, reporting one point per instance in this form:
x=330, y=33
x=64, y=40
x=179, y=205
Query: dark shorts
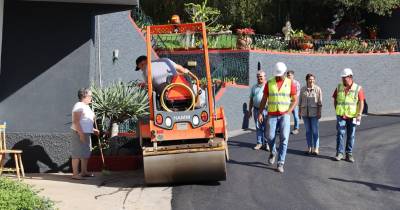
x=79, y=149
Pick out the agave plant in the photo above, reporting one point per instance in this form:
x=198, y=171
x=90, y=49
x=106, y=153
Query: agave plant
x=119, y=101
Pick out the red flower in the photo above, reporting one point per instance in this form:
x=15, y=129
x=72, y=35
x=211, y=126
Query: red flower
x=244, y=31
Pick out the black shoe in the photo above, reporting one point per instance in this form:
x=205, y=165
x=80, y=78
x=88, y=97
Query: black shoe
x=266, y=147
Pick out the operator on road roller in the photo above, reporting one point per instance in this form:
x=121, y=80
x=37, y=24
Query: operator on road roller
x=162, y=69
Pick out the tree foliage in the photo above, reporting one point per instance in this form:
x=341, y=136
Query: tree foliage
x=269, y=16
x=208, y=15
x=202, y=13
x=380, y=7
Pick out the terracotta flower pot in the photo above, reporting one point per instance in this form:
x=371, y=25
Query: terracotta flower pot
x=244, y=42
x=306, y=46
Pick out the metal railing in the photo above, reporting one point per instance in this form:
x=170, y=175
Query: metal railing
x=230, y=69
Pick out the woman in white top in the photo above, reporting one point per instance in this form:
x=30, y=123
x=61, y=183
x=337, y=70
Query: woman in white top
x=82, y=126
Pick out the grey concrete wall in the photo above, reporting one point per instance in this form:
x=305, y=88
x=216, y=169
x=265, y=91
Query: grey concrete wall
x=375, y=72
x=235, y=102
x=46, y=59
x=48, y=54
x=1, y=27
x=115, y=31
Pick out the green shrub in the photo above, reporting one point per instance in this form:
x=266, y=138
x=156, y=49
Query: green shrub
x=16, y=195
x=120, y=101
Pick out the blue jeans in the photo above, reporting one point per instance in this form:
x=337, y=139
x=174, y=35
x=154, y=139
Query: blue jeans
x=260, y=127
x=345, y=126
x=283, y=123
x=295, y=113
x=312, y=131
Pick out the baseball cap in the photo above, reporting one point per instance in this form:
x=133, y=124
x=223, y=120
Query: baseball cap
x=138, y=60
x=280, y=69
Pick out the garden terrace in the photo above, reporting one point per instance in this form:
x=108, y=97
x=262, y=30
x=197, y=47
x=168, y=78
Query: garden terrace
x=175, y=42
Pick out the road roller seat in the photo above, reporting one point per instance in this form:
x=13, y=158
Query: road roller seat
x=179, y=93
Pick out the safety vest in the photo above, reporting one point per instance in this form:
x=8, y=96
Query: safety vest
x=279, y=99
x=346, y=104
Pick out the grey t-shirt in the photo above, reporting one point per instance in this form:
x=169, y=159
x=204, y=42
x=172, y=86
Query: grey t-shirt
x=160, y=70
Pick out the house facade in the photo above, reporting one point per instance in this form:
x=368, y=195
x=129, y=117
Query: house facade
x=50, y=49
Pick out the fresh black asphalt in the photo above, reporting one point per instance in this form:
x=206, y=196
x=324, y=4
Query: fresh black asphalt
x=372, y=182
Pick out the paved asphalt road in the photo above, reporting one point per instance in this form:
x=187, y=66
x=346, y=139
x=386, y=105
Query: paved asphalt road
x=372, y=182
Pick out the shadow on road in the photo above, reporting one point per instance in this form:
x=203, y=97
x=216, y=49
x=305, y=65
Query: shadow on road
x=373, y=186
x=302, y=153
x=240, y=144
x=256, y=164
x=385, y=115
x=199, y=183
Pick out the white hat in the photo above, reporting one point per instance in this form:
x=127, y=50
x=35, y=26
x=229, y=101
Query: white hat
x=280, y=69
x=346, y=72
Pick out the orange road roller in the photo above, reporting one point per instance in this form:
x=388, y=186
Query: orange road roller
x=183, y=142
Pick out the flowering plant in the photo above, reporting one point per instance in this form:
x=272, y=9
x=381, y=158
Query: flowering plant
x=245, y=31
x=372, y=28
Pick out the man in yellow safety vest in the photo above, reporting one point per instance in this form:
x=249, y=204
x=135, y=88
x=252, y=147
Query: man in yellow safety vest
x=349, y=103
x=280, y=94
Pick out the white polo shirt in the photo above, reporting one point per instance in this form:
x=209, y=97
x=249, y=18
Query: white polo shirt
x=87, y=116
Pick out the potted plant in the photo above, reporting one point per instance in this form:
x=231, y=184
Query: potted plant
x=376, y=47
x=244, y=40
x=383, y=48
x=300, y=40
x=113, y=105
x=296, y=39
x=341, y=46
x=372, y=31
x=118, y=102
x=391, y=44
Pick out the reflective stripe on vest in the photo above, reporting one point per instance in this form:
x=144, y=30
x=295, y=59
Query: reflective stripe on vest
x=346, y=104
x=279, y=99
x=278, y=94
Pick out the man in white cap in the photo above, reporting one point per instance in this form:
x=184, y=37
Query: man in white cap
x=349, y=104
x=280, y=94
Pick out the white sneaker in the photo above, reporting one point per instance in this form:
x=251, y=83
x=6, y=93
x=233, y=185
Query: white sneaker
x=280, y=168
x=295, y=131
x=258, y=146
